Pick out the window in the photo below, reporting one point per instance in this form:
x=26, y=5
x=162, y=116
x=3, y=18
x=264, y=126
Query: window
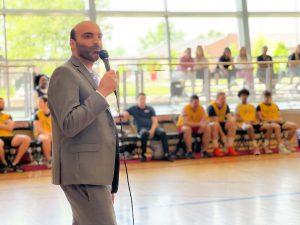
x=130, y=5
x=202, y=6
x=214, y=34
x=2, y=48
x=46, y=4
x=134, y=37
x=273, y=5
x=39, y=37
x=282, y=38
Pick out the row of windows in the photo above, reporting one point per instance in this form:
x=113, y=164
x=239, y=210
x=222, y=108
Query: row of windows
x=158, y=5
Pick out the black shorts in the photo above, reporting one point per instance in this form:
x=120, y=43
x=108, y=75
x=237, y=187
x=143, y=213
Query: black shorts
x=7, y=140
x=256, y=128
x=223, y=124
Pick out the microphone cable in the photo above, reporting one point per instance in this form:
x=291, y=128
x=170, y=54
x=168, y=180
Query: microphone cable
x=124, y=158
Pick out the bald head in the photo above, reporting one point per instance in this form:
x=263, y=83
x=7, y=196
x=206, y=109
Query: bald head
x=86, y=41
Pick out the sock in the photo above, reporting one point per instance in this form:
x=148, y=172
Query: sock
x=266, y=142
x=230, y=141
x=254, y=143
x=215, y=143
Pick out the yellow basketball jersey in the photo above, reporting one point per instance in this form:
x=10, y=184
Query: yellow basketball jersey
x=4, y=117
x=191, y=115
x=247, y=112
x=221, y=113
x=269, y=112
x=45, y=122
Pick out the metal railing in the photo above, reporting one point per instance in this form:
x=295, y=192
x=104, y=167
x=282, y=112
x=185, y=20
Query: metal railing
x=167, y=84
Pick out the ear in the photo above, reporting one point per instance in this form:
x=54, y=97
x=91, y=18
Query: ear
x=72, y=43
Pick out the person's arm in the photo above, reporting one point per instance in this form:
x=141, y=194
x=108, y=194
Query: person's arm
x=72, y=115
x=237, y=115
x=7, y=125
x=258, y=114
x=126, y=115
x=229, y=115
x=38, y=126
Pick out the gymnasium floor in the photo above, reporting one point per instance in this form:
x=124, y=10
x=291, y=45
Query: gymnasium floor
x=245, y=190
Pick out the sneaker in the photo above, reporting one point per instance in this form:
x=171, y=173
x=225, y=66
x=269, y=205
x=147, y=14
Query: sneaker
x=171, y=158
x=289, y=147
x=218, y=152
x=49, y=164
x=232, y=151
x=283, y=149
x=190, y=155
x=143, y=158
x=267, y=150
x=256, y=151
x=17, y=168
x=205, y=154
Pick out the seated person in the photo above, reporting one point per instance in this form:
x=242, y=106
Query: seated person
x=245, y=70
x=294, y=64
x=145, y=119
x=224, y=124
x=246, y=117
x=262, y=68
x=41, y=89
x=269, y=113
x=193, y=120
x=226, y=67
x=42, y=124
x=7, y=138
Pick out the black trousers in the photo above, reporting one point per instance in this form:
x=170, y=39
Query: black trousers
x=159, y=134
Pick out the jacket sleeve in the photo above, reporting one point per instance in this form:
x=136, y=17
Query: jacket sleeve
x=72, y=115
x=115, y=183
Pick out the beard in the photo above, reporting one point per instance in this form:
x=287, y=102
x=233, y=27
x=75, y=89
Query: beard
x=88, y=53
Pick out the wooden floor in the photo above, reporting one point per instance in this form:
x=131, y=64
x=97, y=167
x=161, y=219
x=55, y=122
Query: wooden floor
x=245, y=190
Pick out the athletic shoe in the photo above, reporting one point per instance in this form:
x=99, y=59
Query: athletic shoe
x=289, y=147
x=205, y=154
x=17, y=168
x=143, y=158
x=283, y=149
x=256, y=151
x=231, y=151
x=170, y=157
x=190, y=155
x=218, y=152
x=267, y=150
x=49, y=164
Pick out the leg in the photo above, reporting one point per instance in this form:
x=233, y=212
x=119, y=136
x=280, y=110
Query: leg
x=277, y=131
x=2, y=153
x=46, y=145
x=161, y=134
x=251, y=134
x=291, y=128
x=206, y=131
x=268, y=129
x=91, y=204
x=187, y=136
x=144, y=138
x=230, y=127
x=22, y=142
x=215, y=131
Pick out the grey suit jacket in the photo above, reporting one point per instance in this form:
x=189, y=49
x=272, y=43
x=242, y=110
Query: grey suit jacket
x=84, y=133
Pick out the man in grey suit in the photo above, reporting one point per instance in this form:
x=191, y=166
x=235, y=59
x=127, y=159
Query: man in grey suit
x=85, y=159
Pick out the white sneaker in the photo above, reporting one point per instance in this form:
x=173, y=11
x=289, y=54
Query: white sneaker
x=289, y=147
x=283, y=149
x=267, y=150
x=256, y=151
x=49, y=164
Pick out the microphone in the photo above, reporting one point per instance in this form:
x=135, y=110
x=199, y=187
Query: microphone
x=103, y=54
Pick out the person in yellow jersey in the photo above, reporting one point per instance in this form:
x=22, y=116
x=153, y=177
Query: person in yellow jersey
x=193, y=120
x=7, y=138
x=268, y=113
x=247, y=120
x=43, y=129
x=223, y=125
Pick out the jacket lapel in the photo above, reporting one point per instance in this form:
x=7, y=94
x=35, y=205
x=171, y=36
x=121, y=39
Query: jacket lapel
x=81, y=68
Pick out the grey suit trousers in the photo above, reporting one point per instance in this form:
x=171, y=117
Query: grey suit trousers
x=91, y=204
